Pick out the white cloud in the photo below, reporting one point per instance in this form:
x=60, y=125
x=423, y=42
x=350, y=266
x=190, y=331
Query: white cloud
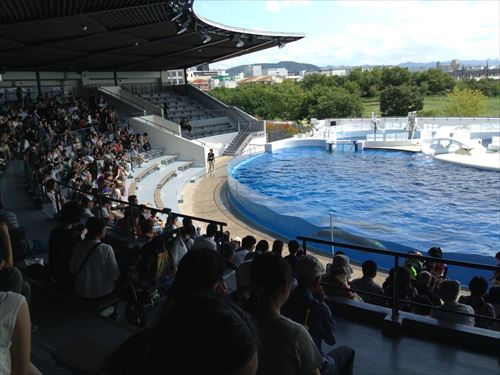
x=395, y=32
x=275, y=5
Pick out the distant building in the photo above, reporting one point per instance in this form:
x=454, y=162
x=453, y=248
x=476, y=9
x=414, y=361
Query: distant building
x=260, y=79
x=448, y=68
x=173, y=77
x=201, y=83
x=275, y=72
x=329, y=72
x=252, y=70
x=476, y=73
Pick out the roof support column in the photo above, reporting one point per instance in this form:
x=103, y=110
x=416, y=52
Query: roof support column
x=185, y=77
x=115, y=77
x=38, y=82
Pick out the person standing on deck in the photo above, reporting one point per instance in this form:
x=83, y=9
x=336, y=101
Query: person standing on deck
x=211, y=160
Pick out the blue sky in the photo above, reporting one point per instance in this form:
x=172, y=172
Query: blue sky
x=365, y=32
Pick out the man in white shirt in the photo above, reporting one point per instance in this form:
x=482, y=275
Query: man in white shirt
x=206, y=241
x=247, y=246
x=93, y=263
x=448, y=291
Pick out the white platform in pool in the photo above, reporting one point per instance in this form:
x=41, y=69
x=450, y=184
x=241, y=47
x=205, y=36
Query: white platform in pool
x=489, y=161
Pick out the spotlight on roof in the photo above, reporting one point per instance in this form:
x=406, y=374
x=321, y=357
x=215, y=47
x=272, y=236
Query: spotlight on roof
x=136, y=44
x=182, y=30
x=240, y=42
x=84, y=27
x=206, y=38
x=183, y=27
x=176, y=17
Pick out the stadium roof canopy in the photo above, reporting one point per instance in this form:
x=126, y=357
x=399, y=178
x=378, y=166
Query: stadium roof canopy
x=121, y=35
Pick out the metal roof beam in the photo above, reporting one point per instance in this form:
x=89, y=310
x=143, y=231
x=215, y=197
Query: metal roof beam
x=112, y=7
x=176, y=53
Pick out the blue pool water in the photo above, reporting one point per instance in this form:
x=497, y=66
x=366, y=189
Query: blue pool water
x=397, y=197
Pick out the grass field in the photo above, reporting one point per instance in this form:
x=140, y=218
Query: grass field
x=436, y=106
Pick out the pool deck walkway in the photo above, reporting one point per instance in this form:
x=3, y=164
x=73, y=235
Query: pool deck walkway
x=205, y=198
x=414, y=148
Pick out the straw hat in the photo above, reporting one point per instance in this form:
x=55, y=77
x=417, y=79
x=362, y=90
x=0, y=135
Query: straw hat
x=340, y=265
x=309, y=267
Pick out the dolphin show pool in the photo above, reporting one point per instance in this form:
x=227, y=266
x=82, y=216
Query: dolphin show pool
x=387, y=199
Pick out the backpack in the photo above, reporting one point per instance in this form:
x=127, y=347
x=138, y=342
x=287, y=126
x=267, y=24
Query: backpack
x=22, y=246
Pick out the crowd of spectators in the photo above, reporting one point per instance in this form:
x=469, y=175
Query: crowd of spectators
x=275, y=321
x=424, y=283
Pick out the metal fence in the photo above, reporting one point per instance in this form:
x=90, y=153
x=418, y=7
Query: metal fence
x=394, y=301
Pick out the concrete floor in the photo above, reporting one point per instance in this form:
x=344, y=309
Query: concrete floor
x=59, y=323
x=380, y=355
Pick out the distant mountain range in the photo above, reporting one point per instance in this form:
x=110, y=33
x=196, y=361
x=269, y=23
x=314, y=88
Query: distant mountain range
x=291, y=66
x=295, y=67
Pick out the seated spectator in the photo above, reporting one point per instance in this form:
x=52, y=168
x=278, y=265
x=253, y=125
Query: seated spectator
x=93, y=263
x=103, y=211
x=414, y=265
x=422, y=310
x=438, y=270
x=145, y=145
x=336, y=279
x=405, y=290
x=449, y=290
x=277, y=247
x=478, y=286
x=181, y=336
x=307, y=306
x=494, y=298
x=367, y=284
x=7, y=216
x=496, y=275
x=15, y=335
x=147, y=229
x=11, y=279
x=247, y=246
x=285, y=347
x=86, y=212
x=261, y=247
x=50, y=188
x=199, y=271
x=243, y=284
x=423, y=286
x=62, y=241
x=223, y=237
x=187, y=221
x=230, y=331
x=229, y=248
x=206, y=241
x=237, y=241
x=187, y=234
x=172, y=223
x=292, y=258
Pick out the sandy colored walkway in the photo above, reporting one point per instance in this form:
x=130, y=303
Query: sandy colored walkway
x=203, y=199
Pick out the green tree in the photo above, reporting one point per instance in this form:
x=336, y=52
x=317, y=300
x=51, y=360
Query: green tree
x=285, y=100
x=399, y=100
x=314, y=79
x=337, y=102
x=369, y=81
x=488, y=86
x=465, y=102
x=395, y=76
x=353, y=87
x=434, y=81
